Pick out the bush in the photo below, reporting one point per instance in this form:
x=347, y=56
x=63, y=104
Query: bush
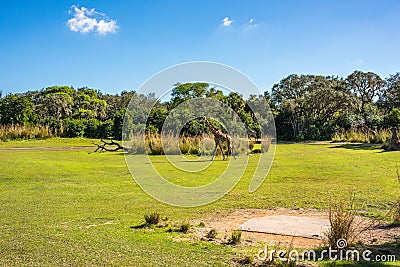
x=74, y=127
x=236, y=237
x=98, y=129
x=152, y=218
x=184, y=227
x=91, y=127
x=105, y=129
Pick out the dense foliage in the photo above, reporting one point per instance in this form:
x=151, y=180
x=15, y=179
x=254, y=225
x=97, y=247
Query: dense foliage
x=305, y=107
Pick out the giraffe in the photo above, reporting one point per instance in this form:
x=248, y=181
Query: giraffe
x=220, y=138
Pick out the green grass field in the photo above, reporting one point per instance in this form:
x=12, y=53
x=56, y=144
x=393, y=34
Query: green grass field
x=68, y=207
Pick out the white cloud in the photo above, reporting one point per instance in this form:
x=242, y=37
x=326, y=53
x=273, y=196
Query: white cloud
x=251, y=25
x=88, y=20
x=226, y=21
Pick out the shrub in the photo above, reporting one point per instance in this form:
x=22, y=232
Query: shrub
x=91, y=127
x=152, y=218
x=236, y=237
x=184, y=228
x=74, y=127
x=95, y=128
x=105, y=129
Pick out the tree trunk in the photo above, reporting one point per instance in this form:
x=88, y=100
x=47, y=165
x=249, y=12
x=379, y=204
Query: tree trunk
x=394, y=144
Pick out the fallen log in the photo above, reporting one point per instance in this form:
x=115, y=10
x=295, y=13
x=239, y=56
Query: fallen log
x=109, y=145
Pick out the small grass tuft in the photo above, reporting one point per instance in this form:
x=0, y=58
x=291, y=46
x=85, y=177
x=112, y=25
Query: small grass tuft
x=235, y=237
x=152, y=218
x=212, y=234
x=184, y=228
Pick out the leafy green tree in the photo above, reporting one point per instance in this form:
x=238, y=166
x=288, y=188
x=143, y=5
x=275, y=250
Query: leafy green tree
x=88, y=104
x=118, y=122
x=17, y=109
x=393, y=118
x=309, y=104
x=215, y=94
x=117, y=102
x=391, y=96
x=157, y=117
x=53, y=103
x=183, y=92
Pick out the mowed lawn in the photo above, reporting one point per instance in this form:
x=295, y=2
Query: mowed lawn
x=69, y=207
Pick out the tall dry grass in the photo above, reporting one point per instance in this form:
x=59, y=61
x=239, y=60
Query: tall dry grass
x=156, y=144
x=17, y=131
x=342, y=223
x=358, y=136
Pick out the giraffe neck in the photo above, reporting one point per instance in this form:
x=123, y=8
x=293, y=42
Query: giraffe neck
x=211, y=127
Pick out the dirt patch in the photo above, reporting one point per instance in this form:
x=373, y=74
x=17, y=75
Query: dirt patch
x=372, y=232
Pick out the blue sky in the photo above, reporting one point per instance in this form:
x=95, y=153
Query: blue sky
x=136, y=39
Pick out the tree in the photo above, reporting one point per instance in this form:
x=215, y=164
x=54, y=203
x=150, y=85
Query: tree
x=368, y=86
x=17, y=109
x=88, y=104
x=309, y=104
x=391, y=96
x=393, y=118
x=183, y=92
x=116, y=102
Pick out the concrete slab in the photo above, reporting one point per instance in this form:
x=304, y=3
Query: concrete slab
x=288, y=225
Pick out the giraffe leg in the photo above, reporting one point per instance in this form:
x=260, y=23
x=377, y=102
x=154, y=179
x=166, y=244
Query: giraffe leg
x=222, y=151
x=231, y=151
x=214, y=153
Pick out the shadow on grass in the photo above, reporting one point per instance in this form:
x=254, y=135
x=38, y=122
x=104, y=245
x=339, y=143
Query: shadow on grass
x=146, y=225
x=140, y=226
x=359, y=146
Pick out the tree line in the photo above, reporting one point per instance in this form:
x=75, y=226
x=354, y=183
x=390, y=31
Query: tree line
x=305, y=107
